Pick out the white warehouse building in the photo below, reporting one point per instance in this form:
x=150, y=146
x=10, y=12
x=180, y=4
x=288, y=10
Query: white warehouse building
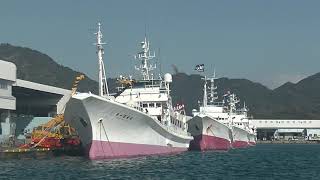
x=268, y=129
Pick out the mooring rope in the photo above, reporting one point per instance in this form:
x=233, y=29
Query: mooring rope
x=105, y=132
x=101, y=139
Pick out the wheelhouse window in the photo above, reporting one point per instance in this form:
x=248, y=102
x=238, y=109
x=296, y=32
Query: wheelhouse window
x=145, y=105
x=3, y=85
x=158, y=105
x=151, y=105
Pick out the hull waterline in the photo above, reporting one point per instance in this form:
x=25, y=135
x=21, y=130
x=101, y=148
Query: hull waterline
x=111, y=150
x=205, y=143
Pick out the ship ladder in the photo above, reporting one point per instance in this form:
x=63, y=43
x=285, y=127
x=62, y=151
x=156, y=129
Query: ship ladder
x=105, y=133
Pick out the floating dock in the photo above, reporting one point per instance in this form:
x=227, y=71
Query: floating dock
x=39, y=152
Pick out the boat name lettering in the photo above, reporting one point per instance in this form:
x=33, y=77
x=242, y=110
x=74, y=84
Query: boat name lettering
x=124, y=116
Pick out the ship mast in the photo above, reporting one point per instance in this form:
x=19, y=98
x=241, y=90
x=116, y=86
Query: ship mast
x=205, y=96
x=233, y=100
x=103, y=85
x=211, y=96
x=144, y=56
x=245, y=110
x=213, y=88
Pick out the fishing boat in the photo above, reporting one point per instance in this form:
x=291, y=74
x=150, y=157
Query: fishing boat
x=240, y=123
x=138, y=120
x=210, y=126
x=252, y=133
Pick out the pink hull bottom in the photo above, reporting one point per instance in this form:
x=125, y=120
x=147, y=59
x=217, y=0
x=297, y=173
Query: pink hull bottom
x=105, y=150
x=204, y=142
x=240, y=144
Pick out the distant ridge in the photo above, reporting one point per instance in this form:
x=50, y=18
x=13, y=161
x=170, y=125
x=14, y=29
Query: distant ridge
x=35, y=66
x=289, y=101
x=298, y=101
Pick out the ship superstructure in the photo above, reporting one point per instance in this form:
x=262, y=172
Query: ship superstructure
x=138, y=120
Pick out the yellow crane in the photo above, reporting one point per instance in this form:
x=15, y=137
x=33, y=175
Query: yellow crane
x=50, y=133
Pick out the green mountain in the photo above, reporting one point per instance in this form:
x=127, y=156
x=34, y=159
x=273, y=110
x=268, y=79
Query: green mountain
x=301, y=100
x=35, y=66
x=289, y=101
x=189, y=89
x=298, y=101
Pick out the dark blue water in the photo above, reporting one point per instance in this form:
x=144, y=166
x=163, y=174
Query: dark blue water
x=260, y=162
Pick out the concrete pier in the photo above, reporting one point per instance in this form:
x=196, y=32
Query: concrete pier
x=21, y=101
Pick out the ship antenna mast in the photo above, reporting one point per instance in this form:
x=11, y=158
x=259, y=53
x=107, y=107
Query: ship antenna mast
x=159, y=61
x=205, y=96
x=144, y=56
x=213, y=88
x=103, y=85
x=233, y=101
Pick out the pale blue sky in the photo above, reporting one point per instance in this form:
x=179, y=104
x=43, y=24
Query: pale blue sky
x=270, y=42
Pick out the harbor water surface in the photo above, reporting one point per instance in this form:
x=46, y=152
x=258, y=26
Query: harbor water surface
x=267, y=161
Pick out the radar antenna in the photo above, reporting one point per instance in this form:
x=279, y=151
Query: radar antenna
x=212, y=94
x=233, y=100
x=144, y=56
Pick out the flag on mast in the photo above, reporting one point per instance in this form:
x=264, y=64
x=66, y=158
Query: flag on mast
x=199, y=68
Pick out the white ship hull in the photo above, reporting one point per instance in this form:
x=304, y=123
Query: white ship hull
x=252, y=139
x=209, y=134
x=240, y=137
x=109, y=130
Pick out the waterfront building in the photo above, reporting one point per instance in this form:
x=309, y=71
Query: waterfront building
x=7, y=101
x=25, y=104
x=287, y=129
